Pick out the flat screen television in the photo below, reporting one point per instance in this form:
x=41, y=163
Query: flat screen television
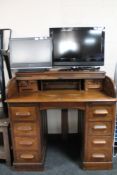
x=78, y=46
x=30, y=53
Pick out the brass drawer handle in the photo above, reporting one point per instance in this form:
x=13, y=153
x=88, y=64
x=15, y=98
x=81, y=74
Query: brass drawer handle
x=26, y=156
x=100, y=112
x=100, y=127
x=23, y=114
x=98, y=155
x=26, y=143
x=24, y=128
x=101, y=142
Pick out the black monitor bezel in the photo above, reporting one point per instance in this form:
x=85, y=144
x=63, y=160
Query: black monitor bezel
x=69, y=64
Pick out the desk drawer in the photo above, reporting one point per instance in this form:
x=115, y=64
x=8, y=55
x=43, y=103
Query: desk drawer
x=26, y=143
x=99, y=156
x=27, y=157
x=99, y=142
x=101, y=113
x=99, y=128
x=23, y=113
x=27, y=86
x=25, y=129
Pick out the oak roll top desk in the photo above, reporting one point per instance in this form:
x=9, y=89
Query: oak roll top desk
x=30, y=94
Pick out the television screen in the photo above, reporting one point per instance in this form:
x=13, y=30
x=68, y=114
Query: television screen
x=82, y=46
x=30, y=53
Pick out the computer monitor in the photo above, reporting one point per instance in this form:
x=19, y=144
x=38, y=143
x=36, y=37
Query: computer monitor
x=30, y=53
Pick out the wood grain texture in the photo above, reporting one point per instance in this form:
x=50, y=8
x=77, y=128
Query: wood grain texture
x=57, y=75
x=61, y=96
x=109, y=87
x=12, y=89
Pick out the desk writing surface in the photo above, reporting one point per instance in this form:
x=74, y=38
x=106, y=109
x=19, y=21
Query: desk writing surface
x=62, y=96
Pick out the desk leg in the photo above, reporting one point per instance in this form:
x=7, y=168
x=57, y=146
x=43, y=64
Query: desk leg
x=45, y=121
x=80, y=118
x=44, y=129
x=81, y=123
x=6, y=146
x=64, y=123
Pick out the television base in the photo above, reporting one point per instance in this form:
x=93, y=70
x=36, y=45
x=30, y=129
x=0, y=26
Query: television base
x=75, y=68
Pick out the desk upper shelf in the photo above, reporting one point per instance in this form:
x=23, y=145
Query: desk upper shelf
x=56, y=75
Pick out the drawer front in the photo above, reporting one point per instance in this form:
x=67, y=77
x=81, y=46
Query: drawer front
x=99, y=142
x=27, y=157
x=99, y=155
x=23, y=113
x=25, y=129
x=99, y=128
x=93, y=84
x=26, y=143
x=27, y=86
x=101, y=113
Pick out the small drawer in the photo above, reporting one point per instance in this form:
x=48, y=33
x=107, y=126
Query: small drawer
x=99, y=128
x=99, y=142
x=101, y=113
x=25, y=129
x=99, y=156
x=27, y=86
x=27, y=157
x=26, y=143
x=23, y=113
x=93, y=85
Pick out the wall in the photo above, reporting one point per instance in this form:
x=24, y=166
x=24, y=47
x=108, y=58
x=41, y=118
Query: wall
x=34, y=17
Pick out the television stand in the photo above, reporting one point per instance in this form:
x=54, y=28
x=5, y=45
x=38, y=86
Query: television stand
x=81, y=68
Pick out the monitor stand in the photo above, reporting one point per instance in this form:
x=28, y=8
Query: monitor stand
x=33, y=70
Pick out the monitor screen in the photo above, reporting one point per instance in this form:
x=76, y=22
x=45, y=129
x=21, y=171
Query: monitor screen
x=78, y=46
x=30, y=53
